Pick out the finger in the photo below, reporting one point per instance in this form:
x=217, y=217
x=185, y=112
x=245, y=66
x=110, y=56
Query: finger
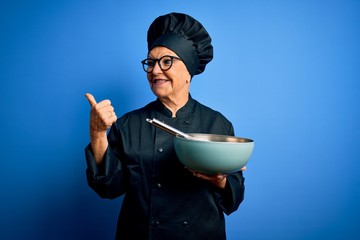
x=91, y=99
x=112, y=118
x=108, y=118
x=105, y=104
x=206, y=176
x=105, y=113
x=109, y=123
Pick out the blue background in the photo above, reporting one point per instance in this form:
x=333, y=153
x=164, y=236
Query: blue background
x=286, y=73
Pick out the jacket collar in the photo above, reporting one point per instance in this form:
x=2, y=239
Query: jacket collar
x=183, y=112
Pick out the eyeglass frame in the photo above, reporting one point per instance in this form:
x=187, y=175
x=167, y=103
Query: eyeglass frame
x=158, y=61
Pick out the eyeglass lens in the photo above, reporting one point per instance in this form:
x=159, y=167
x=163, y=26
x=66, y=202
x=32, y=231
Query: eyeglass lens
x=165, y=63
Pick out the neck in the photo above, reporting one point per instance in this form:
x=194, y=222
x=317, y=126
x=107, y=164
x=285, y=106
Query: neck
x=174, y=104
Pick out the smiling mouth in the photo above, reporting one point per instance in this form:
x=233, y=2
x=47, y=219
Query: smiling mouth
x=159, y=81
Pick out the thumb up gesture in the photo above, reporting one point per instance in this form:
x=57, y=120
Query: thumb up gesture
x=102, y=114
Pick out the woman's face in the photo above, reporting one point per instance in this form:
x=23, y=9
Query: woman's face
x=170, y=85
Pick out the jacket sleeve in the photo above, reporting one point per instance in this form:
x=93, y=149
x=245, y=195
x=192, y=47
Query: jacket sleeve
x=107, y=178
x=230, y=198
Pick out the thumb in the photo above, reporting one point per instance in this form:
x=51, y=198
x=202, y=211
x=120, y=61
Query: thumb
x=91, y=99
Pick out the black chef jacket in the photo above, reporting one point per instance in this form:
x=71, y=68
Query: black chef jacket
x=163, y=200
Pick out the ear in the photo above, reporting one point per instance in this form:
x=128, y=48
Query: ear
x=189, y=80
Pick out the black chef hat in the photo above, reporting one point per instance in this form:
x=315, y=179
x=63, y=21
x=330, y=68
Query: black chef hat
x=185, y=36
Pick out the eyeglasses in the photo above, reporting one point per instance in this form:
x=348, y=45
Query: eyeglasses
x=165, y=63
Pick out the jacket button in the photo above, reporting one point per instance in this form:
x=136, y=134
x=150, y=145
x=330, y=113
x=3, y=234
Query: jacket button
x=185, y=223
x=160, y=150
x=158, y=185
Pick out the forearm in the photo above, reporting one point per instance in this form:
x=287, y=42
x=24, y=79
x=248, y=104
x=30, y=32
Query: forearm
x=99, y=144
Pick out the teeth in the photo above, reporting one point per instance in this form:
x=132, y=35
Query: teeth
x=158, y=80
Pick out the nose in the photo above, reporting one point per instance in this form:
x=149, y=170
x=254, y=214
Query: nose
x=156, y=68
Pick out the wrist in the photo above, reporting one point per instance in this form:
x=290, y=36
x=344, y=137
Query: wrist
x=98, y=134
x=222, y=183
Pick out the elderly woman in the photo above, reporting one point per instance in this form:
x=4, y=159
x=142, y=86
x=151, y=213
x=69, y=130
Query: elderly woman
x=163, y=199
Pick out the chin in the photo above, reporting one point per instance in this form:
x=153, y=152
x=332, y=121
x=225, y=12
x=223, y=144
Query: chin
x=159, y=94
